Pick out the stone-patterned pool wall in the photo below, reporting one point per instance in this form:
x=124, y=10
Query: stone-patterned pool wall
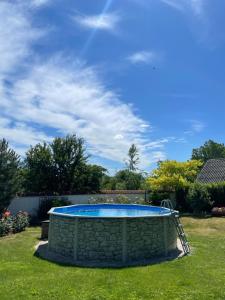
x=111, y=240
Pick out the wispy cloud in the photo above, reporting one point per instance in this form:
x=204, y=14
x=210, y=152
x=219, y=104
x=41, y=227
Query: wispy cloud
x=39, y=3
x=105, y=21
x=62, y=97
x=196, y=126
x=16, y=35
x=195, y=6
x=143, y=57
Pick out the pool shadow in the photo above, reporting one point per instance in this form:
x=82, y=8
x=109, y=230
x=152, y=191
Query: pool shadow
x=42, y=252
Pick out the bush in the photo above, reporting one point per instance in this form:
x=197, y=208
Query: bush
x=218, y=211
x=48, y=203
x=217, y=192
x=199, y=198
x=13, y=224
x=6, y=225
x=155, y=197
x=20, y=221
x=181, y=199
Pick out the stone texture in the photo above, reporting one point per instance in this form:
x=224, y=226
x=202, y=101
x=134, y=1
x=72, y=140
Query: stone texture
x=111, y=240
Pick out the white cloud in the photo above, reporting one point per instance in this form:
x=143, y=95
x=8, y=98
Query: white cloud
x=106, y=21
x=73, y=99
x=145, y=57
x=38, y=3
x=20, y=133
x=62, y=97
x=196, y=126
x=16, y=34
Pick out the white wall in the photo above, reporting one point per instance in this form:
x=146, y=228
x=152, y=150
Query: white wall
x=31, y=204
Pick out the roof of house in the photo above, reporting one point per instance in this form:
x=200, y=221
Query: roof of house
x=213, y=171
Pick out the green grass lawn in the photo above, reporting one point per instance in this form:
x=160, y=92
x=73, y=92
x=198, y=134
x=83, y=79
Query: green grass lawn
x=199, y=276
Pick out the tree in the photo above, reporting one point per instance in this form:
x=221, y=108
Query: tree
x=133, y=158
x=38, y=170
x=90, y=179
x=209, y=150
x=61, y=167
x=128, y=180
x=69, y=157
x=9, y=174
x=172, y=175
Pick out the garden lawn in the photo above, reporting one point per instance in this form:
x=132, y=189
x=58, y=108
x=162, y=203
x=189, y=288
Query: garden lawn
x=199, y=276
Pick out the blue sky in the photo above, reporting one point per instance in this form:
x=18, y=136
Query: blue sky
x=149, y=72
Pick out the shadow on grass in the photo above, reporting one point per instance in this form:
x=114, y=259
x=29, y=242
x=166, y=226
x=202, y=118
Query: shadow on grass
x=196, y=216
x=43, y=253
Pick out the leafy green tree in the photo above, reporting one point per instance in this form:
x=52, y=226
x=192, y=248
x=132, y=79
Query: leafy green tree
x=128, y=180
x=9, y=174
x=61, y=167
x=38, y=170
x=172, y=175
x=68, y=155
x=90, y=179
x=133, y=158
x=209, y=150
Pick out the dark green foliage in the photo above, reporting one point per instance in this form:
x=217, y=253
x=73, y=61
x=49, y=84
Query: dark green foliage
x=155, y=197
x=9, y=174
x=90, y=179
x=38, y=171
x=199, y=198
x=61, y=168
x=208, y=151
x=217, y=193
x=123, y=180
x=48, y=203
x=181, y=199
x=128, y=180
x=68, y=156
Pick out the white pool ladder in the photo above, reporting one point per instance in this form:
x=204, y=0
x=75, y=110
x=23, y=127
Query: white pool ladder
x=179, y=227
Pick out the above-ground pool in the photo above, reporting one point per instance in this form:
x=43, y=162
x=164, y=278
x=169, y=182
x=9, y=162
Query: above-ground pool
x=111, y=234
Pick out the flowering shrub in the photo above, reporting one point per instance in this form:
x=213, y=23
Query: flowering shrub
x=20, y=221
x=218, y=211
x=13, y=224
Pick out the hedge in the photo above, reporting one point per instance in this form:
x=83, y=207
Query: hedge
x=195, y=198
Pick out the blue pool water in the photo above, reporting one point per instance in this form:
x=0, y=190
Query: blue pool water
x=110, y=211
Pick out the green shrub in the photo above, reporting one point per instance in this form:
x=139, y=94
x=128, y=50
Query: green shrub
x=155, y=197
x=181, y=199
x=217, y=192
x=199, y=198
x=48, y=203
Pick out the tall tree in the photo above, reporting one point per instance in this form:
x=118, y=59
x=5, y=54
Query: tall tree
x=9, y=174
x=68, y=159
x=61, y=167
x=133, y=158
x=209, y=150
x=38, y=170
